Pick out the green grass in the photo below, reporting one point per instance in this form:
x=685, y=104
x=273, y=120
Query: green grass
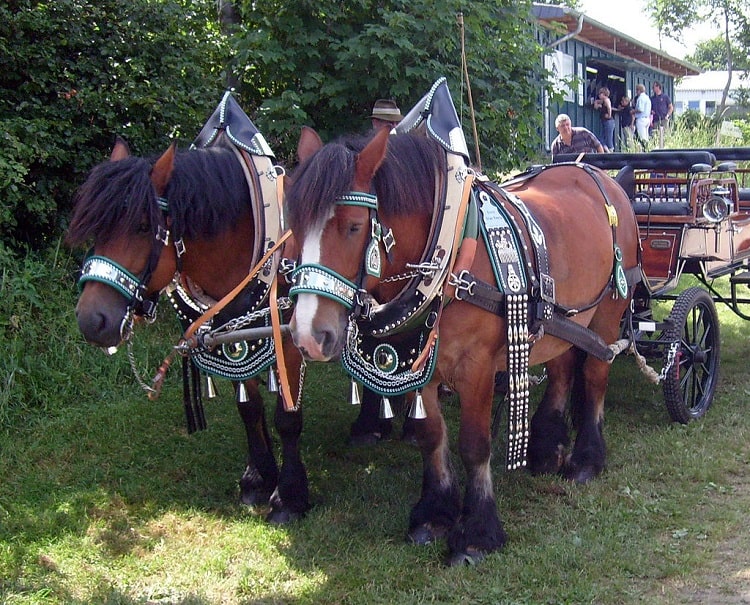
x=104, y=497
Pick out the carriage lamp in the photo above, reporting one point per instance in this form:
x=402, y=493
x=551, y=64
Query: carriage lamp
x=718, y=206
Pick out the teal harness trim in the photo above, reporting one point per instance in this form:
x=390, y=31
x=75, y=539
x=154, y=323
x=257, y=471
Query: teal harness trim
x=106, y=271
x=312, y=278
x=357, y=198
x=503, y=246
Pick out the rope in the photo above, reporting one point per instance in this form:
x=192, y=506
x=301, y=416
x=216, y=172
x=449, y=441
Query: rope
x=465, y=69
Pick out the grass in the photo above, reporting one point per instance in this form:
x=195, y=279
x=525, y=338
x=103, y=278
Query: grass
x=105, y=499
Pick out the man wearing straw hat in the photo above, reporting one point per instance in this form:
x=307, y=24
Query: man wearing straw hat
x=385, y=114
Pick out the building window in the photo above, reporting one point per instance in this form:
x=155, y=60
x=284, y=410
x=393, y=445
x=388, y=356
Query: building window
x=710, y=108
x=694, y=105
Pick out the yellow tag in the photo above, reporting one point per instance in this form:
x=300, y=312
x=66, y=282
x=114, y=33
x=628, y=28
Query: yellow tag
x=612, y=214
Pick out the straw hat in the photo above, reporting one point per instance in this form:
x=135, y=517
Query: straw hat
x=386, y=110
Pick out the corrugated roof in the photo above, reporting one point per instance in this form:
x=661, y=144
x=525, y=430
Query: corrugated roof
x=608, y=39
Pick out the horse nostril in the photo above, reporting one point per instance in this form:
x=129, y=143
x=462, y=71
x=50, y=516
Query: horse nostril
x=326, y=339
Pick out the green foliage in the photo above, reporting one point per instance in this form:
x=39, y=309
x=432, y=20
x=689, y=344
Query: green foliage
x=712, y=55
x=324, y=63
x=73, y=74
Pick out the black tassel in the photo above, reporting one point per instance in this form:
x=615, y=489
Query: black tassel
x=186, y=403
x=200, y=412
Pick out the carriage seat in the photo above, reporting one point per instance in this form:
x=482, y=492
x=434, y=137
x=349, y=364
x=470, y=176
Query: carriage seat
x=643, y=203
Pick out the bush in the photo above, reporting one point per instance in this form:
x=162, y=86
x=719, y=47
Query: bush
x=75, y=73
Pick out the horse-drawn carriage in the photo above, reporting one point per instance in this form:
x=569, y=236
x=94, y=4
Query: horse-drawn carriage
x=415, y=271
x=694, y=218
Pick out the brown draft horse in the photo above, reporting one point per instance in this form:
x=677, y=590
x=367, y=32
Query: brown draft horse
x=400, y=170
x=210, y=212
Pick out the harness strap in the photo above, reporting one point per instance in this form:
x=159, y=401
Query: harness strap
x=158, y=380
x=457, y=234
x=284, y=388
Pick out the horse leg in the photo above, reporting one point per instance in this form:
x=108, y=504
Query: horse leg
x=291, y=499
x=369, y=428
x=548, y=438
x=589, y=451
x=479, y=530
x=437, y=510
x=261, y=474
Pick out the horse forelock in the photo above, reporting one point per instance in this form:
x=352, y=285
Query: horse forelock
x=207, y=193
x=404, y=183
x=112, y=202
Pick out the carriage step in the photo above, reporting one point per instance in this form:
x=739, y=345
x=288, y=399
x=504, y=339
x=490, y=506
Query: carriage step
x=740, y=278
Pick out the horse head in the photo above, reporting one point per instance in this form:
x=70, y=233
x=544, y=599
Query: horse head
x=359, y=211
x=118, y=207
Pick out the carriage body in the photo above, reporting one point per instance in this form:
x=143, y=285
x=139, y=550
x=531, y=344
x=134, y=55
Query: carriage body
x=693, y=214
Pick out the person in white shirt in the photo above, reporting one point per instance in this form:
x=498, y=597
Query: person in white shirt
x=642, y=115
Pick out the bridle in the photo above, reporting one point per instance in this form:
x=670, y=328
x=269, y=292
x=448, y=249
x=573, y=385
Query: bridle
x=134, y=288
x=314, y=278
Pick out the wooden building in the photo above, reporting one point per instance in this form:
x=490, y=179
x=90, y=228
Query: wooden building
x=584, y=55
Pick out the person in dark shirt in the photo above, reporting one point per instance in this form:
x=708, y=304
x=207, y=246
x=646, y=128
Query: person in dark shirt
x=661, y=106
x=604, y=105
x=573, y=140
x=626, y=113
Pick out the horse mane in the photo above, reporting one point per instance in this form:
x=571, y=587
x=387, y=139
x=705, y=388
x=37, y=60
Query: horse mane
x=404, y=183
x=207, y=193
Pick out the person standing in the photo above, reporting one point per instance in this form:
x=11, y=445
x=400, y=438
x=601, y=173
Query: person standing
x=573, y=140
x=604, y=105
x=662, y=108
x=642, y=115
x=626, y=113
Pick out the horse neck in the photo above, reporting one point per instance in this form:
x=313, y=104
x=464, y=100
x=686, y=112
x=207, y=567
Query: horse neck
x=220, y=263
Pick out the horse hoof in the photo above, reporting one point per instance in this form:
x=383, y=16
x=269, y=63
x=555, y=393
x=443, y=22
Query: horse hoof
x=581, y=475
x=424, y=535
x=365, y=440
x=255, y=497
x=470, y=557
x=282, y=517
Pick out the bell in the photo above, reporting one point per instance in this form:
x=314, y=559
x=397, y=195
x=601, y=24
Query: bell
x=354, y=397
x=210, y=388
x=417, y=410
x=273, y=384
x=386, y=412
x=242, y=395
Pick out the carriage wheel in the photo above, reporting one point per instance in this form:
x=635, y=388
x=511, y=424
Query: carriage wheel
x=690, y=383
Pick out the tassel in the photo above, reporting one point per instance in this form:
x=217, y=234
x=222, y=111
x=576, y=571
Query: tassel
x=386, y=412
x=242, y=395
x=354, y=397
x=273, y=384
x=186, y=398
x=417, y=410
x=198, y=410
x=210, y=387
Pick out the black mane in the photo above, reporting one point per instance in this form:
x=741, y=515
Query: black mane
x=404, y=184
x=207, y=193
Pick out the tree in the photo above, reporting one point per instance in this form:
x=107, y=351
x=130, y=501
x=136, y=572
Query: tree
x=73, y=74
x=322, y=63
x=712, y=55
x=672, y=17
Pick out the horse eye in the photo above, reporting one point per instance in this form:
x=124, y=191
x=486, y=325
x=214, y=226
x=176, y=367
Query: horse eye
x=355, y=228
x=144, y=228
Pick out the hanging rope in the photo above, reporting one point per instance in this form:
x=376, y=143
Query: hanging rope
x=465, y=70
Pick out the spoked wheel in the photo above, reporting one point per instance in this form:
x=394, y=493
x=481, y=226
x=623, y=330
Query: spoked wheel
x=693, y=355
